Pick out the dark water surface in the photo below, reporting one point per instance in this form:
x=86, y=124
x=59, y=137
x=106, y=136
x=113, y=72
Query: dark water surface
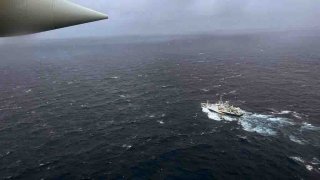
x=81, y=109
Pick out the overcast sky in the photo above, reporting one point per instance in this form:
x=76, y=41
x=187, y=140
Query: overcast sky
x=146, y=17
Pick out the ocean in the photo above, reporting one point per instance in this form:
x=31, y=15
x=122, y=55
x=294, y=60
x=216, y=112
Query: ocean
x=129, y=108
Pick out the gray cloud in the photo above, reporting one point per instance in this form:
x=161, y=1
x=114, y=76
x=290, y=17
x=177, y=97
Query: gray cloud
x=146, y=17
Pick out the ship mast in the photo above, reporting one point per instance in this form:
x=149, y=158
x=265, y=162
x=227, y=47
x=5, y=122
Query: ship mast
x=220, y=102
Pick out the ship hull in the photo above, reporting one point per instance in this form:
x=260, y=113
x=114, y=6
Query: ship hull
x=214, y=109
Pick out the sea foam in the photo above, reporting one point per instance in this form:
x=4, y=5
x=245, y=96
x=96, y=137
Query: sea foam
x=271, y=125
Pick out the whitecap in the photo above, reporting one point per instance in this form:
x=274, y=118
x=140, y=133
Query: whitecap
x=234, y=76
x=297, y=159
x=126, y=146
x=160, y=122
x=242, y=137
x=296, y=115
x=288, y=112
x=285, y=112
x=84, y=105
x=152, y=116
x=296, y=140
x=315, y=161
x=309, y=167
x=205, y=90
x=309, y=126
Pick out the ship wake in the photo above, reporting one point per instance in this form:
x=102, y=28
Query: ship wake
x=271, y=125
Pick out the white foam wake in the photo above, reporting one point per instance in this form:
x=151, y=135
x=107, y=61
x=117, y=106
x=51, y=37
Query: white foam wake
x=292, y=113
x=259, y=123
x=271, y=125
x=263, y=124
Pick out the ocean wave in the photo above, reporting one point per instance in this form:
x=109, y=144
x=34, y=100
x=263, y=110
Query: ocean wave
x=315, y=161
x=284, y=112
x=114, y=77
x=309, y=165
x=28, y=91
x=297, y=140
x=308, y=126
x=291, y=113
x=126, y=146
x=297, y=159
x=205, y=90
x=160, y=122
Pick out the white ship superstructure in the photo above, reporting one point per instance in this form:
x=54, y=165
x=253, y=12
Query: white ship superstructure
x=223, y=108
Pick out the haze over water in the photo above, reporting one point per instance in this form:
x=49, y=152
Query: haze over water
x=130, y=108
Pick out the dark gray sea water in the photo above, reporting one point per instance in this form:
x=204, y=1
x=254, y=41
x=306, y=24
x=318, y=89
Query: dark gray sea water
x=108, y=109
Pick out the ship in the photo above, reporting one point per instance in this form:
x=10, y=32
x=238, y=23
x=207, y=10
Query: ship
x=223, y=108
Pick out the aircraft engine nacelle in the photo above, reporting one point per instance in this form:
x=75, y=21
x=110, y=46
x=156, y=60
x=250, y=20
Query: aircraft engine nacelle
x=19, y=17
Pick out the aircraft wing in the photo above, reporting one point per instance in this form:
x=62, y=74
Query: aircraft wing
x=19, y=17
